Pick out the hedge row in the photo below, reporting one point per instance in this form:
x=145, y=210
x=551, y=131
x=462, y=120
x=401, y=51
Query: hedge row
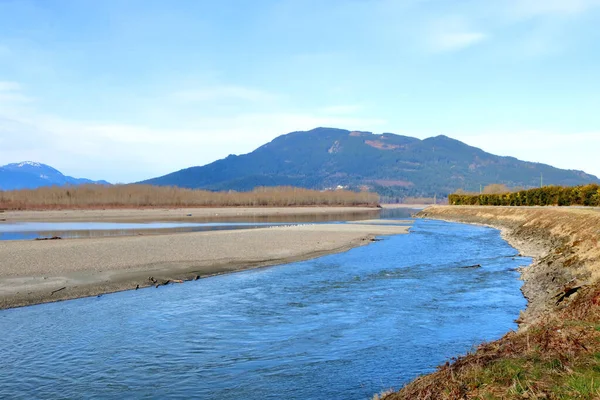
x=588, y=195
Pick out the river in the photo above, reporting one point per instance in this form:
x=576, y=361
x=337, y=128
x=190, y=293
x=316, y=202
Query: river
x=344, y=326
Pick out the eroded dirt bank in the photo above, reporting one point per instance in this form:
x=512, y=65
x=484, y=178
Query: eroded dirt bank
x=555, y=354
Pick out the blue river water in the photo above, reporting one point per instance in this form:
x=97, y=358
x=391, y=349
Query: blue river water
x=344, y=326
x=71, y=230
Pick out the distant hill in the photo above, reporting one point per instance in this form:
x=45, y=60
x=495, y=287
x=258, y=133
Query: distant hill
x=31, y=175
x=390, y=164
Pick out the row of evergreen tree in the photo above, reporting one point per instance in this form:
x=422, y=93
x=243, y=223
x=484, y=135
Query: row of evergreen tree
x=588, y=195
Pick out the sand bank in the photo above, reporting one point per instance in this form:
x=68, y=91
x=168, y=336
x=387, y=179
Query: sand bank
x=42, y=271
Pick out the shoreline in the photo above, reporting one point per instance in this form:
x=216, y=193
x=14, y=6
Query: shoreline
x=532, y=231
x=34, y=272
x=561, y=320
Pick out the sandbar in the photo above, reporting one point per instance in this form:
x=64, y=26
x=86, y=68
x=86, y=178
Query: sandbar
x=34, y=272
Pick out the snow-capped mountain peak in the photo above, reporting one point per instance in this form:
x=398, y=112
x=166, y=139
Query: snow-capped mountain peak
x=32, y=167
x=29, y=163
x=31, y=174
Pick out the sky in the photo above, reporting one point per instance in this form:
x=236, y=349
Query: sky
x=125, y=90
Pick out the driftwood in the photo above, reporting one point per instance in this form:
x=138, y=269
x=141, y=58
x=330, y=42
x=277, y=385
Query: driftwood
x=164, y=283
x=568, y=292
x=156, y=283
x=50, y=238
x=58, y=290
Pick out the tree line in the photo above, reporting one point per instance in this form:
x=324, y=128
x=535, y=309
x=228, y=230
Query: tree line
x=587, y=195
x=99, y=196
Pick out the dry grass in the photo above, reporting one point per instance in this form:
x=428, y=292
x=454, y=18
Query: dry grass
x=123, y=196
x=383, y=395
x=557, y=358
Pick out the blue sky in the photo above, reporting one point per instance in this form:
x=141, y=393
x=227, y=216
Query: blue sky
x=130, y=89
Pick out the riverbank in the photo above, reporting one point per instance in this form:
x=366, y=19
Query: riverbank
x=555, y=354
x=33, y=272
x=180, y=214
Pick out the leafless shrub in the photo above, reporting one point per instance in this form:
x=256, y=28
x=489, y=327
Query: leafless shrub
x=98, y=196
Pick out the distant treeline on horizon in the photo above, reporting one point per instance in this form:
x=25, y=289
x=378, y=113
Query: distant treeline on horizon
x=588, y=195
x=94, y=196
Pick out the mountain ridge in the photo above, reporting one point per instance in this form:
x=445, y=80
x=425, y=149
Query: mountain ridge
x=391, y=164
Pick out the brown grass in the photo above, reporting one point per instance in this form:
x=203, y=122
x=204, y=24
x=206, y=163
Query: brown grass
x=556, y=358
x=126, y=196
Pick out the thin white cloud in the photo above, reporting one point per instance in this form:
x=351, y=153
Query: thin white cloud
x=452, y=33
x=528, y=29
x=453, y=41
x=226, y=92
x=530, y=8
x=7, y=86
x=13, y=98
x=521, y=28
x=11, y=93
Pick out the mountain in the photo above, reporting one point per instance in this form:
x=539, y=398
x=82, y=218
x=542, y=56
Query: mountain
x=31, y=175
x=390, y=164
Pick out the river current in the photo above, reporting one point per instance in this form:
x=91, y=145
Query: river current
x=344, y=326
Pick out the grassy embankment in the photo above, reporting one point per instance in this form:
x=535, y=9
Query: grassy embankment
x=130, y=196
x=555, y=353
